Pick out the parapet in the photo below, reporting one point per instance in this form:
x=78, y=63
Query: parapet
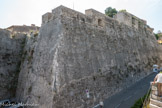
x=130, y=20
x=98, y=18
x=149, y=29
x=95, y=18
x=46, y=17
x=92, y=12
x=23, y=29
x=91, y=16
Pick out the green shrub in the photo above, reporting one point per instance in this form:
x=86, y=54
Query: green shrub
x=139, y=102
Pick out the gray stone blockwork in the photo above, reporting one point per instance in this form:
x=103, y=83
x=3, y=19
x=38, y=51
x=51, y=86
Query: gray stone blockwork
x=75, y=52
x=11, y=47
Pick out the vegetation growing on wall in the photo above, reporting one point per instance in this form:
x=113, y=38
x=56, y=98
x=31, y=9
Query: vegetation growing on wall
x=123, y=10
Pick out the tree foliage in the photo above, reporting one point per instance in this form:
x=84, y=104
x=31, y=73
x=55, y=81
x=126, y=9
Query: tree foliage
x=158, y=34
x=110, y=11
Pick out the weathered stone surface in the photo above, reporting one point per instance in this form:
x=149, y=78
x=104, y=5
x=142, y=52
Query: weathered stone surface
x=156, y=102
x=153, y=106
x=154, y=88
x=75, y=52
x=36, y=75
x=156, y=97
x=11, y=46
x=154, y=92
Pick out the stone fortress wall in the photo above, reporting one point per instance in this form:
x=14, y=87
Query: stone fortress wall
x=100, y=19
x=75, y=52
x=12, y=44
x=11, y=48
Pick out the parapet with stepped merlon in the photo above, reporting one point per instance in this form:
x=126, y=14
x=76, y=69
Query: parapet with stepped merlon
x=96, y=18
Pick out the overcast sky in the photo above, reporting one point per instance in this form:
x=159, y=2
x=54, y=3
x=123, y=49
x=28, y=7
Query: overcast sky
x=19, y=12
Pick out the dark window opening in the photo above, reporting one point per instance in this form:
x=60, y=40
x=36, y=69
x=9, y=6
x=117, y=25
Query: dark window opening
x=82, y=19
x=133, y=20
x=100, y=22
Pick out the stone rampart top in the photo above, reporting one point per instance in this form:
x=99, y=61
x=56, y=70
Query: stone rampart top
x=96, y=18
x=92, y=12
x=23, y=29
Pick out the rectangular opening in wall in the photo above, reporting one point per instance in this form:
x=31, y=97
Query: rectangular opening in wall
x=133, y=20
x=100, y=22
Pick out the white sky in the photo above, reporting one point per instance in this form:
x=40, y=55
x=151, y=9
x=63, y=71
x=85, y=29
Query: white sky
x=19, y=12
